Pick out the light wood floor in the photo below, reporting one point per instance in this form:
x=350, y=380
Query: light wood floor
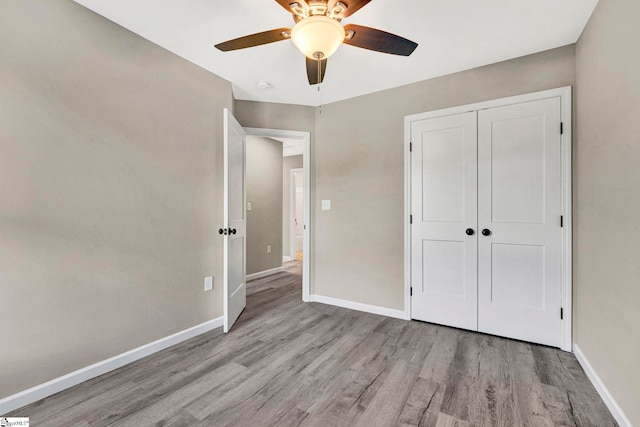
x=287, y=363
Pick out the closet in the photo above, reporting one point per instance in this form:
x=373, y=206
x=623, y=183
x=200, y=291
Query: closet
x=487, y=225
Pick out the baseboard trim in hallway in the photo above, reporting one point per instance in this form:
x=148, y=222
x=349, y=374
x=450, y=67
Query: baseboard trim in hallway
x=265, y=273
x=602, y=390
x=374, y=309
x=64, y=382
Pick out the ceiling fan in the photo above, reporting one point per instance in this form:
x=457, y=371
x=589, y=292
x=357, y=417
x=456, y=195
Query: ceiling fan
x=318, y=33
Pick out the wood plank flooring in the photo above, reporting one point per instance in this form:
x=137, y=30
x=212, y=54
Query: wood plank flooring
x=287, y=363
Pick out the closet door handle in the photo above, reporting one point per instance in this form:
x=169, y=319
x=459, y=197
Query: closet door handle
x=232, y=231
x=469, y=232
x=222, y=231
x=486, y=232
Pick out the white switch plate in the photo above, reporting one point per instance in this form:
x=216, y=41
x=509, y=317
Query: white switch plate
x=208, y=283
x=326, y=205
x=268, y=249
x=248, y=206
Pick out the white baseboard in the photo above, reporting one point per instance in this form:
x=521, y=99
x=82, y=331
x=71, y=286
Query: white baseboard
x=374, y=309
x=64, y=382
x=286, y=258
x=602, y=390
x=264, y=273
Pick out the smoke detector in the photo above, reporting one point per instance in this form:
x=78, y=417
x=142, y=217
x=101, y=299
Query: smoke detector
x=263, y=85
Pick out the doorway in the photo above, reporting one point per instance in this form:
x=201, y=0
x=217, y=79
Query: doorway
x=304, y=222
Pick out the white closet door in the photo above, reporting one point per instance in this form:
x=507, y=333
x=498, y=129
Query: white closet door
x=519, y=204
x=443, y=199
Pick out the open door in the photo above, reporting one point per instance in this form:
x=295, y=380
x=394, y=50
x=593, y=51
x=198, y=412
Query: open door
x=234, y=233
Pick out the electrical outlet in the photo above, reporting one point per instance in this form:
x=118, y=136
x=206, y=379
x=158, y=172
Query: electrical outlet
x=268, y=249
x=248, y=206
x=326, y=205
x=208, y=283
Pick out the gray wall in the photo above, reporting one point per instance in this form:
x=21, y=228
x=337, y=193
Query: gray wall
x=264, y=192
x=289, y=162
x=359, y=166
x=607, y=199
x=110, y=182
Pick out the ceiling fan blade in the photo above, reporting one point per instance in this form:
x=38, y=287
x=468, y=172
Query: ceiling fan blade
x=312, y=71
x=352, y=6
x=378, y=40
x=257, y=39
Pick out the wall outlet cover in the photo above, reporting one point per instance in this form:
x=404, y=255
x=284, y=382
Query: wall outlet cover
x=268, y=249
x=208, y=283
x=248, y=206
x=326, y=205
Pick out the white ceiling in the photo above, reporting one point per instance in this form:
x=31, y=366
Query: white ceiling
x=290, y=142
x=453, y=35
x=291, y=146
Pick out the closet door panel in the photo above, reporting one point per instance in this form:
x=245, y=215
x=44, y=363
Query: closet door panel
x=517, y=170
x=519, y=204
x=444, y=206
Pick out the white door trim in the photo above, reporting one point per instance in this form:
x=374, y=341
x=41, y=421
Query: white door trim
x=565, y=94
x=292, y=210
x=292, y=214
x=305, y=137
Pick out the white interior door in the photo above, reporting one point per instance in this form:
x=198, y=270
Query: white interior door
x=299, y=210
x=234, y=280
x=519, y=206
x=444, y=207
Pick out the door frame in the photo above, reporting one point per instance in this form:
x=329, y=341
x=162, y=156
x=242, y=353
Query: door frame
x=565, y=94
x=292, y=210
x=305, y=137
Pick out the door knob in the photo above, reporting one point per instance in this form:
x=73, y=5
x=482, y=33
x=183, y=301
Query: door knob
x=469, y=231
x=232, y=231
x=222, y=231
x=486, y=232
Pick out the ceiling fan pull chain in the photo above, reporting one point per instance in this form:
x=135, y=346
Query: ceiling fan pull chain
x=319, y=84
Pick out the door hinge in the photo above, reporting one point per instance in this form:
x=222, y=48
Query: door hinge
x=411, y=291
x=410, y=219
x=561, y=313
x=410, y=147
x=561, y=128
x=561, y=221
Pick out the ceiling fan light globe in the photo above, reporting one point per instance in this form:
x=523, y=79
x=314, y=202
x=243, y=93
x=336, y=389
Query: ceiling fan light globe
x=317, y=34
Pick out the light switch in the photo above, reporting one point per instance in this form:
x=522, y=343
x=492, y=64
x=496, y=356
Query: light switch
x=248, y=206
x=268, y=249
x=326, y=205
